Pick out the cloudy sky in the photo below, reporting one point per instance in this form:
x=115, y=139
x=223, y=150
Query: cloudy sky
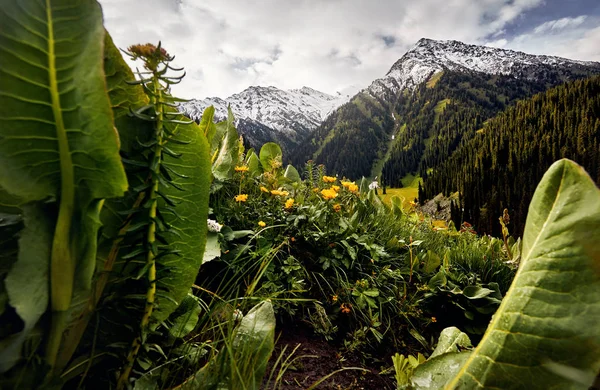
x=331, y=45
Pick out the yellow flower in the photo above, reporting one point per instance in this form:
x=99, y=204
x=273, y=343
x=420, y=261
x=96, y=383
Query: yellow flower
x=242, y=168
x=241, y=198
x=337, y=207
x=328, y=179
x=347, y=183
x=433, y=319
x=280, y=193
x=328, y=193
x=334, y=298
x=289, y=203
x=261, y=224
x=315, y=190
x=264, y=189
x=335, y=188
x=293, y=239
x=353, y=188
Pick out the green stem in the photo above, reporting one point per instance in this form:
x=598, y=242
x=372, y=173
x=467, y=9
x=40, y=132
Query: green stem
x=150, y=241
x=62, y=264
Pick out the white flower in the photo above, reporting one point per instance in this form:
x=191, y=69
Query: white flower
x=373, y=185
x=213, y=226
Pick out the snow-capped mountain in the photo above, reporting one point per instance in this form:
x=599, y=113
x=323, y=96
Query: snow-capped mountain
x=271, y=114
x=430, y=56
x=392, y=118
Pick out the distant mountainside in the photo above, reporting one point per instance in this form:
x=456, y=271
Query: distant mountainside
x=266, y=114
x=501, y=165
x=429, y=56
x=430, y=101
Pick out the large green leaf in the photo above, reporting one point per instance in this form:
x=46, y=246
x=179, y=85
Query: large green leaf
x=270, y=156
x=56, y=132
x=438, y=370
x=254, y=166
x=189, y=228
x=550, y=314
x=57, y=140
x=224, y=164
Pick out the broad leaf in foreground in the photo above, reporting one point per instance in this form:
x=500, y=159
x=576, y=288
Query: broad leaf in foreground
x=57, y=140
x=550, y=314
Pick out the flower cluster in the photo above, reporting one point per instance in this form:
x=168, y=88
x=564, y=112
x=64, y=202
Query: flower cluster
x=280, y=193
x=328, y=179
x=329, y=193
x=241, y=198
x=213, y=226
x=350, y=186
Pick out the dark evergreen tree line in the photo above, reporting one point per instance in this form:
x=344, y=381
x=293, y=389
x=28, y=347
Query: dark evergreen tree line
x=350, y=139
x=440, y=118
x=500, y=166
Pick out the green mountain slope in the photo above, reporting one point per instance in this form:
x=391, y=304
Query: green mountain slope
x=351, y=138
x=499, y=167
x=418, y=129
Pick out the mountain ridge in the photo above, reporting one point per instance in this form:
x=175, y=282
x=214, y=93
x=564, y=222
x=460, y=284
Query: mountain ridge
x=429, y=56
x=378, y=116
x=266, y=114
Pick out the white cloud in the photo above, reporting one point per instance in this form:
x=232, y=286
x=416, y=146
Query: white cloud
x=228, y=45
x=575, y=38
x=560, y=24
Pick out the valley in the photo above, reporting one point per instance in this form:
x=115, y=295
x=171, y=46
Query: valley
x=437, y=229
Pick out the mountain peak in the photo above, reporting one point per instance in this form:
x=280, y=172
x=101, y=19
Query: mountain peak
x=288, y=115
x=430, y=56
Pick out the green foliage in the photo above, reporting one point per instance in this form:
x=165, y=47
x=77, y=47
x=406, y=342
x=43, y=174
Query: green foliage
x=544, y=321
x=404, y=368
x=451, y=340
x=270, y=157
x=339, y=246
x=58, y=145
x=68, y=163
x=227, y=153
x=499, y=168
x=243, y=361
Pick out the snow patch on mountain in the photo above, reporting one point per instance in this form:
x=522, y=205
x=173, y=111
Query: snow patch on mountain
x=430, y=56
x=291, y=111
